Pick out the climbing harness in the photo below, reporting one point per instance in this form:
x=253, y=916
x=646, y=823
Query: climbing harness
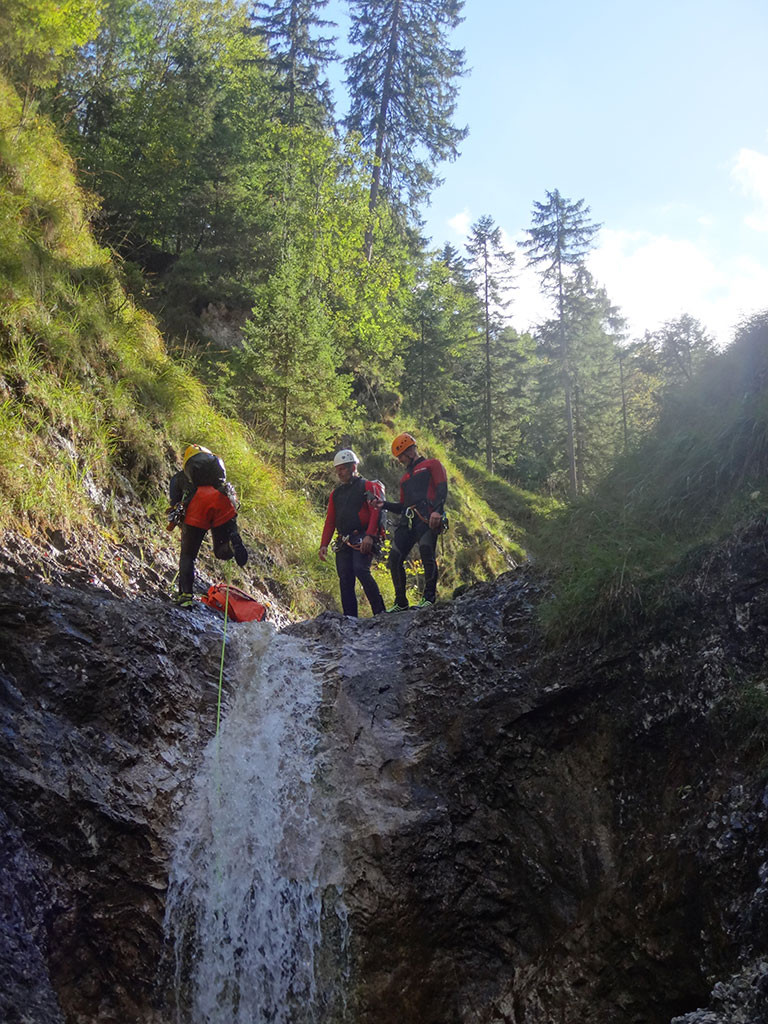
x=412, y=511
x=341, y=542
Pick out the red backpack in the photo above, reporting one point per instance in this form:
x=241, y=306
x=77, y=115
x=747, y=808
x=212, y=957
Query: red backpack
x=381, y=492
x=242, y=607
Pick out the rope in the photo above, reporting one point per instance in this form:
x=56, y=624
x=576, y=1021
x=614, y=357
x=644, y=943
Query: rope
x=227, y=574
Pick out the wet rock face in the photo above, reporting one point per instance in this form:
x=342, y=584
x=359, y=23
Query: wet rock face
x=557, y=836
x=104, y=705
x=531, y=835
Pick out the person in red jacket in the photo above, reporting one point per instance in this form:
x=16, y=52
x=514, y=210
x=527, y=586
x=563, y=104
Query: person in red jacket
x=423, y=490
x=202, y=500
x=356, y=523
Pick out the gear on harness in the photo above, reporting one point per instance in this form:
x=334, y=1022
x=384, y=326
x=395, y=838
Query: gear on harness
x=413, y=511
x=346, y=541
x=176, y=514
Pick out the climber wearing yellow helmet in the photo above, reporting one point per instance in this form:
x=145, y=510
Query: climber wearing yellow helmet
x=202, y=500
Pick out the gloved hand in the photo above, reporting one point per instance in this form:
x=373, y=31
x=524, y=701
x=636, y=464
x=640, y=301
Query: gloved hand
x=241, y=555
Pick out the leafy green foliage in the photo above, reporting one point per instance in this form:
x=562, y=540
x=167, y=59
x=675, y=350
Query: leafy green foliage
x=37, y=36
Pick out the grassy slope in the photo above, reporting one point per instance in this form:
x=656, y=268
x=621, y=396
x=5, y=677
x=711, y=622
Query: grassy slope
x=624, y=552
x=93, y=409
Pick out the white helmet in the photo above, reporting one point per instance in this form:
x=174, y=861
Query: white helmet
x=344, y=456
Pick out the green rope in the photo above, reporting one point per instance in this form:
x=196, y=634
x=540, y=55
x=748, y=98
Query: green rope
x=227, y=573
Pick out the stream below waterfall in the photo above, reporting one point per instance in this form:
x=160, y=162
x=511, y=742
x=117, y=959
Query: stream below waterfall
x=255, y=918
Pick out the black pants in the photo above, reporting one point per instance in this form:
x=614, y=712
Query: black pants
x=191, y=539
x=352, y=565
x=404, y=539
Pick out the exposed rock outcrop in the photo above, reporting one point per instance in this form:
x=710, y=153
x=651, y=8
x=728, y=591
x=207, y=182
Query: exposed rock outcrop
x=533, y=835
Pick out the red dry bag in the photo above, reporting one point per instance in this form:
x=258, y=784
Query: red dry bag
x=242, y=607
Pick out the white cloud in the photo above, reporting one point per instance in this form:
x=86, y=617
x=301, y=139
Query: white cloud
x=651, y=278
x=750, y=171
x=654, y=278
x=461, y=223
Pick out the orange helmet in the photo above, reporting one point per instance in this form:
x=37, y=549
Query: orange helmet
x=402, y=443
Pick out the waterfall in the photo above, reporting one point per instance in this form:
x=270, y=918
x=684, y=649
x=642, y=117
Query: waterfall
x=255, y=916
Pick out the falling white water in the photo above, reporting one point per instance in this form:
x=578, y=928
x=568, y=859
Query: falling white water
x=254, y=910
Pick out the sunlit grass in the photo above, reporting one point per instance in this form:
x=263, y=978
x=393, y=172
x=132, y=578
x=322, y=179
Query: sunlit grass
x=622, y=553
x=94, y=406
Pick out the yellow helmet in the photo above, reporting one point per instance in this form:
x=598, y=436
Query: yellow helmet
x=194, y=449
x=402, y=443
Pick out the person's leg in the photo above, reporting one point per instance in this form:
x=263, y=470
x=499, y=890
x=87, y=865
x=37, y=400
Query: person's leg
x=402, y=543
x=362, y=568
x=191, y=539
x=228, y=542
x=346, y=571
x=427, y=547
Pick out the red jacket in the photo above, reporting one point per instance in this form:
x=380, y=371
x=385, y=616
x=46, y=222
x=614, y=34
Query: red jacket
x=209, y=507
x=349, y=511
x=423, y=485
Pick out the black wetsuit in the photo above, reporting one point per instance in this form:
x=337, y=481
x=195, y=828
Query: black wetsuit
x=350, y=515
x=423, y=490
x=202, y=472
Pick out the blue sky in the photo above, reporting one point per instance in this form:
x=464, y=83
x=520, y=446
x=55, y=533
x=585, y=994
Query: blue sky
x=656, y=114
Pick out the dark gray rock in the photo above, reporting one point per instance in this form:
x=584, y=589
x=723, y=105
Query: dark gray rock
x=532, y=835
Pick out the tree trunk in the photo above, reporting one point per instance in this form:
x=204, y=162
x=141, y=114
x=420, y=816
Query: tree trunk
x=488, y=417
x=623, y=402
x=284, y=455
x=571, y=448
x=381, y=127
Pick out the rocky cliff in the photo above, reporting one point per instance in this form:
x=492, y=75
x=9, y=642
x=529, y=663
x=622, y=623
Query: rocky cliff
x=532, y=835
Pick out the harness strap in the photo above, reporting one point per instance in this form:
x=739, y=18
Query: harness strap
x=341, y=541
x=409, y=514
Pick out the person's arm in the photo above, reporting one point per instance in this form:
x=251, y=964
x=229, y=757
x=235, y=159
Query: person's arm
x=395, y=506
x=328, y=528
x=176, y=487
x=369, y=517
x=440, y=485
x=372, y=509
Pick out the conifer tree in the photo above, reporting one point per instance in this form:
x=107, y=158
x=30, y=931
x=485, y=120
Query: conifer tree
x=492, y=272
x=402, y=80
x=558, y=242
x=445, y=318
x=38, y=37
x=682, y=346
x=299, y=53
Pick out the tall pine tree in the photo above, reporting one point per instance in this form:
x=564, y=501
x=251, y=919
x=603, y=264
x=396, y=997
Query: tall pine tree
x=492, y=272
x=299, y=53
x=402, y=80
x=558, y=242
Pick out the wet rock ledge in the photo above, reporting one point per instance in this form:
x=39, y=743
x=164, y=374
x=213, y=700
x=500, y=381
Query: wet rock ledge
x=576, y=835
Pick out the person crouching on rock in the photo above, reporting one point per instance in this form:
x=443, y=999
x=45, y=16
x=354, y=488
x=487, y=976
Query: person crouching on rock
x=423, y=490
x=202, y=500
x=356, y=523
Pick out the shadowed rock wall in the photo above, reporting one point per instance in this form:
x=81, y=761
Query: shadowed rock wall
x=104, y=705
x=532, y=835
